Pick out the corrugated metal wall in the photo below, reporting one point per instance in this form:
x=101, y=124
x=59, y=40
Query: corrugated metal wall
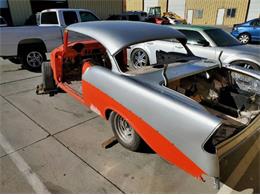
x=210, y=9
x=20, y=10
x=134, y=5
x=254, y=9
x=177, y=6
x=102, y=8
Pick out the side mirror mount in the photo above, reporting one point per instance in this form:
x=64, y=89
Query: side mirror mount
x=204, y=43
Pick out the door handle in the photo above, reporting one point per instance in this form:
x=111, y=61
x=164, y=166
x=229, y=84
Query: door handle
x=179, y=47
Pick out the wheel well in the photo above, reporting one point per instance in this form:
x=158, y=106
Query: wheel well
x=31, y=43
x=245, y=33
x=107, y=113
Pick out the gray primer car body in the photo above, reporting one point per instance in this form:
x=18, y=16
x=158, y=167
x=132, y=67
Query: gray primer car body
x=181, y=120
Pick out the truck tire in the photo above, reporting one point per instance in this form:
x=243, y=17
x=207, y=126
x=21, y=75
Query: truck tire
x=47, y=77
x=125, y=134
x=32, y=58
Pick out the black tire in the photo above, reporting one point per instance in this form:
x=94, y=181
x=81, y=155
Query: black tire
x=246, y=64
x=15, y=60
x=133, y=144
x=33, y=58
x=138, y=63
x=244, y=38
x=47, y=77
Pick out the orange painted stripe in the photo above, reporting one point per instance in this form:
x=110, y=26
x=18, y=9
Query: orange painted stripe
x=162, y=146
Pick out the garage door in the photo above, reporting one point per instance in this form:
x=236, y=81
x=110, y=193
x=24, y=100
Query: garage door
x=150, y=3
x=177, y=6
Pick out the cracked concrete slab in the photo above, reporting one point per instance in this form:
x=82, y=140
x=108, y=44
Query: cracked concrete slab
x=132, y=172
x=19, y=130
x=52, y=113
x=10, y=72
x=59, y=170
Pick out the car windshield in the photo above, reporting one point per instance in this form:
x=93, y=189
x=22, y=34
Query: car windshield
x=222, y=38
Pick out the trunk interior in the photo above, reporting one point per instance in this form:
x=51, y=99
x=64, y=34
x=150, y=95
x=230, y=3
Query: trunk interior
x=232, y=97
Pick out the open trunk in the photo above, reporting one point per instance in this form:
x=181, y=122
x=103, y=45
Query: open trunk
x=231, y=96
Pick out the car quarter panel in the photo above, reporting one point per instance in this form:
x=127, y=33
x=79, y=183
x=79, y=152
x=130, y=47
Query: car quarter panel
x=174, y=129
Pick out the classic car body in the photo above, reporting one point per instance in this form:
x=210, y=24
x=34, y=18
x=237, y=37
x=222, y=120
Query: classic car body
x=161, y=105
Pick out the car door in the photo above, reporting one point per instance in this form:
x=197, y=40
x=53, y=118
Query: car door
x=197, y=44
x=255, y=29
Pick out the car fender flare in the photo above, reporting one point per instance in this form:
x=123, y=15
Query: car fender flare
x=242, y=57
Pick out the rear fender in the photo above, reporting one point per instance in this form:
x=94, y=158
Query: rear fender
x=174, y=130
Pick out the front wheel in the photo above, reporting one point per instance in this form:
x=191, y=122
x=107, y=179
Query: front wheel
x=47, y=77
x=33, y=58
x=244, y=38
x=125, y=134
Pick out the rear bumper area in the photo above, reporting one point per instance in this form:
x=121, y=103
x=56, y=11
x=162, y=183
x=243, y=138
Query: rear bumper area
x=230, y=144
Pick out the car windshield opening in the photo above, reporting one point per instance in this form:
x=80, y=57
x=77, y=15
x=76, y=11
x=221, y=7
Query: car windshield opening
x=222, y=38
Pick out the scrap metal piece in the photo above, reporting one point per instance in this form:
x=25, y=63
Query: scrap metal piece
x=109, y=143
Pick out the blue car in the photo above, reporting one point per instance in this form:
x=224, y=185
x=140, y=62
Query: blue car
x=248, y=31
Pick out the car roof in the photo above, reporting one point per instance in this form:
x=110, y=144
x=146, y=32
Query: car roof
x=116, y=35
x=193, y=27
x=64, y=9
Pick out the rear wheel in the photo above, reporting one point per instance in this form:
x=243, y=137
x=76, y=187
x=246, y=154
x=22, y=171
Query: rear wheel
x=33, y=58
x=244, y=38
x=125, y=134
x=47, y=77
x=139, y=58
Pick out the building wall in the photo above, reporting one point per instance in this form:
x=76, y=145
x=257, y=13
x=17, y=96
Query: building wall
x=210, y=10
x=20, y=10
x=254, y=9
x=177, y=6
x=134, y=5
x=102, y=8
x=163, y=5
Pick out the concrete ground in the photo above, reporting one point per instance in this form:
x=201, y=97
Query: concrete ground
x=53, y=144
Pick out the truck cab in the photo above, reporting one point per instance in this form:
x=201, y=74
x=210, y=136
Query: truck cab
x=65, y=17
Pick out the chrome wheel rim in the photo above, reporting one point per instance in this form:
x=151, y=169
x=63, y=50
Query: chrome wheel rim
x=247, y=66
x=34, y=59
x=244, y=38
x=124, y=131
x=140, y=59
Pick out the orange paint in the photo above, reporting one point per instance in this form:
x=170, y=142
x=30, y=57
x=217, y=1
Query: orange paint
x=162, y=146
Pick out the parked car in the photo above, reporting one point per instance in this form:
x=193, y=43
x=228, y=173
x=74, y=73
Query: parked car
x=178, y=106
x=130, y=15
x=28, y=44
x=248, y=31
x=203, y=41
x=3, y=22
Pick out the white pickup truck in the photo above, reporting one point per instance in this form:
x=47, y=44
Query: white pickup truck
x=28, y=45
